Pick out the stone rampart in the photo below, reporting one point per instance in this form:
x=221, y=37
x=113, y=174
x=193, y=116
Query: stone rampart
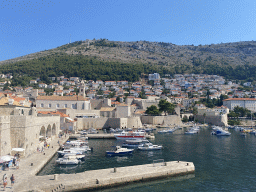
x=219, y=120
x=5, y=135
x=159, y=120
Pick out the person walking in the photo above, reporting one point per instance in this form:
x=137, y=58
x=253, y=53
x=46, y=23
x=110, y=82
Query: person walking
x=17, y=163
x=5, y=183
x=5, y=175
x=12, y=180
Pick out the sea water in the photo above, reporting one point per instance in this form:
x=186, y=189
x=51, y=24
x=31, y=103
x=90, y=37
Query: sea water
x=222, y=163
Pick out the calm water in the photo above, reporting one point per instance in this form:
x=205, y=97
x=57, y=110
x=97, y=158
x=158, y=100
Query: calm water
x=222, y=163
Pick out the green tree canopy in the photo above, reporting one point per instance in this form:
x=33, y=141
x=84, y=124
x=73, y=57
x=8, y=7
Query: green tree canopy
x=165, y=106
x=152, y=110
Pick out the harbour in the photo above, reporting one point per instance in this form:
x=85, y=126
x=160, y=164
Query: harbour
x=216, y=160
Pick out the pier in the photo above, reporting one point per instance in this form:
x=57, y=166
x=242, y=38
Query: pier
x=27, y=180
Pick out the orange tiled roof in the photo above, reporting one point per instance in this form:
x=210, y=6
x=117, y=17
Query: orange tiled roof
x=53, y=113
x=240, y=99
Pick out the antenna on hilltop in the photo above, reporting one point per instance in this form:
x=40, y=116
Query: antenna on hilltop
x=70, y=39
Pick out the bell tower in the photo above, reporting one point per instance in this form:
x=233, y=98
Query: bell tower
x=82, y=89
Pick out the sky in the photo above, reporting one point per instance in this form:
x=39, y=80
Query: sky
x=29, y=26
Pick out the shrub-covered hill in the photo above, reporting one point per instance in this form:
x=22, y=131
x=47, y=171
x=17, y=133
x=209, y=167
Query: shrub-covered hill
x=115, y=60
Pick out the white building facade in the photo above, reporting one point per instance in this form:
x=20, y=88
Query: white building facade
x=248, y=103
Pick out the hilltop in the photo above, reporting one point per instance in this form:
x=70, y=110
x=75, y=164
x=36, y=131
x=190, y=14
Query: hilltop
x=232, y=60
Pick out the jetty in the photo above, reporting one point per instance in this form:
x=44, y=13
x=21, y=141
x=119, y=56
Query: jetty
x=27, y=179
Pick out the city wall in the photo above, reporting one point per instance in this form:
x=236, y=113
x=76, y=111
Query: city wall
x=220, y=120
x=5, y=135
x=159, y=120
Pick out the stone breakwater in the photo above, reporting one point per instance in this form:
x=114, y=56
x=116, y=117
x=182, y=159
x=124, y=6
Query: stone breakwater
x=105, y=178
x=26, y=179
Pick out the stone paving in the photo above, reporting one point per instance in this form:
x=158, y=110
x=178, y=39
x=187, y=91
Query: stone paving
x=26, y=179
x=30, y=166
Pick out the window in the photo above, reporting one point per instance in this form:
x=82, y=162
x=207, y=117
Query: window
x=58, y=105
x=50, y=105
x=66, y=106
x=42, y=105
x=73, y=106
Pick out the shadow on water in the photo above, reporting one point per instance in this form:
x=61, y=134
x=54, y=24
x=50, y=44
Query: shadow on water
x=149, y=185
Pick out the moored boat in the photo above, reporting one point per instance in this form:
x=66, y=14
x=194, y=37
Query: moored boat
x=130, y=135
x=134, y=143
x=149, y=147
x=119, y=151
x=67, y=161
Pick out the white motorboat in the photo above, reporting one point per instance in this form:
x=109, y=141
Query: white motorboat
x=76, y=143
x=171, y=130
x=220, y=132
x=191, y=132
x=69, y=152
x=67, y=161
x=81, y=149
x=79, y=157
x=149, y=147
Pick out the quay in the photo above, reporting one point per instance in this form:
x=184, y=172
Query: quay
x=26, y=178
x=102, y=136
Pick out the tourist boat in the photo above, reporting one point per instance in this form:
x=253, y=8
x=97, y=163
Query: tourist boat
x=149, y=147
x=130, y=135
x=119, y=151
x=134, y=143
x=67, y=161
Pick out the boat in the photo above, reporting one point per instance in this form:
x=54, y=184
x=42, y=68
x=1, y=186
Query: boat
x=92, y=131
x=220, y=132
x=191, y=132
x=167, y=130
x=134, y=143
x=130, y=135
x=69, y=152
x=76, y=143
x=149, y=147
x=67, y=161
x=119, y=151
x=79, y=157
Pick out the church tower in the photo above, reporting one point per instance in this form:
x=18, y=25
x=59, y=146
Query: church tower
x=82, y=89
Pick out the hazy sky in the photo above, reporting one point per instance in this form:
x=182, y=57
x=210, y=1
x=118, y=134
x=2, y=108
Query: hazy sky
x=36, y=25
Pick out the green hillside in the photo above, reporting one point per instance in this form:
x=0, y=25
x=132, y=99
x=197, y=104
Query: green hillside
x=113, y=60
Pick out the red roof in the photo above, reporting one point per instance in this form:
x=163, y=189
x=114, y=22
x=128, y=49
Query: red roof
x=240, y=99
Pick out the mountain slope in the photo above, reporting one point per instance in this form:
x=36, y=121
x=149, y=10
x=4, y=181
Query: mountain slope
x=232, y=60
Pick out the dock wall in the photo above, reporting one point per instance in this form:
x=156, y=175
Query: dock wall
x=105, y=178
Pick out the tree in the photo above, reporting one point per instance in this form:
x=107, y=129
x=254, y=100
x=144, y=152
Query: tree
x=185, y=119
x=152, y=110
x=195, y=112
x=6, y=86
x=165, y=106
x=204, y=117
